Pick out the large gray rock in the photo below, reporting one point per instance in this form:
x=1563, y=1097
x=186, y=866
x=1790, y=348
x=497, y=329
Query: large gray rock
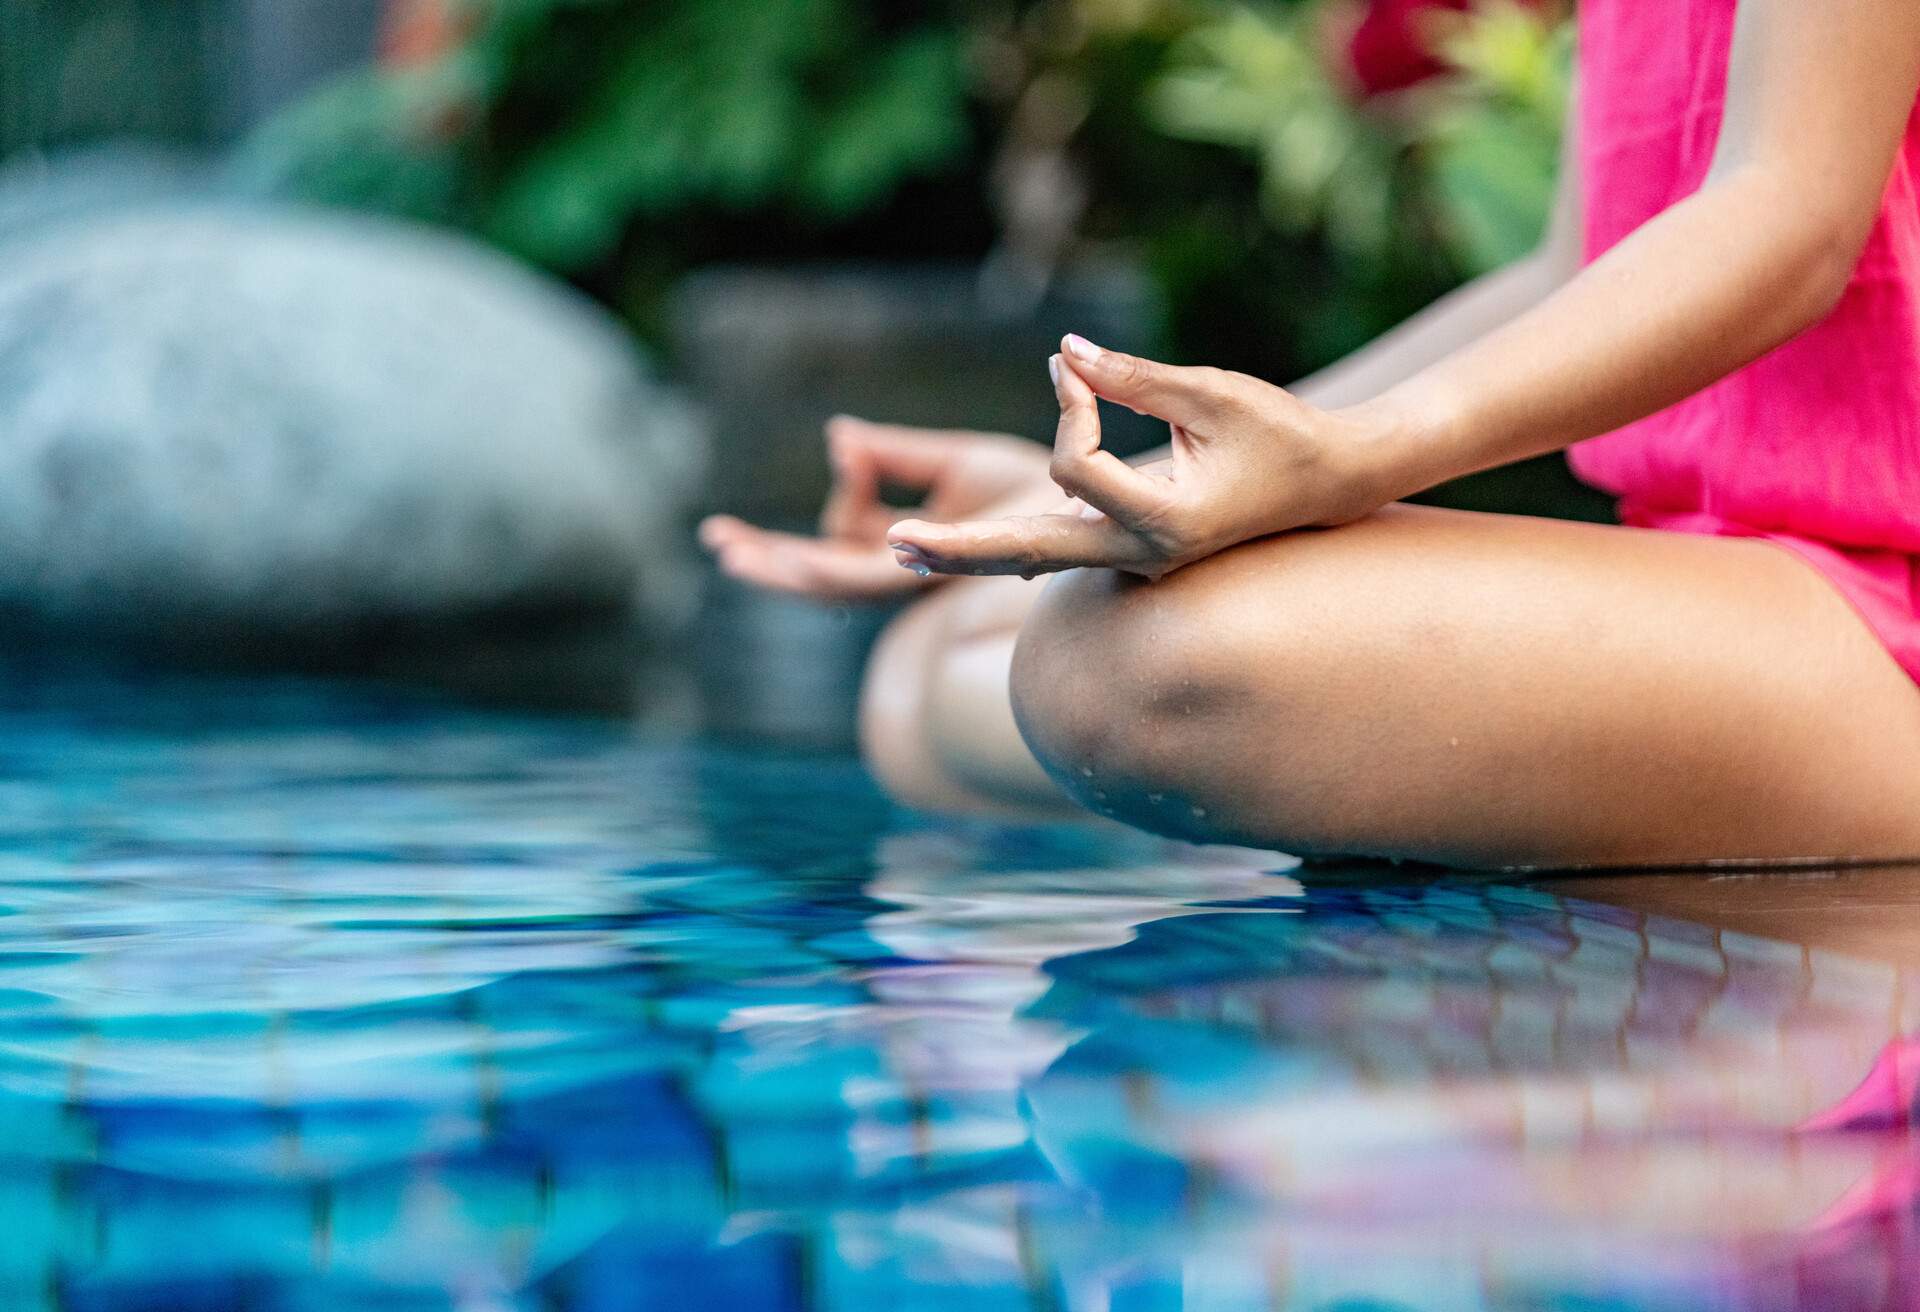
x=280, y=418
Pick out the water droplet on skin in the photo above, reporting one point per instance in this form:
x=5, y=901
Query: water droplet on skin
x=1453, y=742
x=923, y=571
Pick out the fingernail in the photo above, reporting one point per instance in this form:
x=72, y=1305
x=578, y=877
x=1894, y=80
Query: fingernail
x=1053, y=369
x=1082, y=349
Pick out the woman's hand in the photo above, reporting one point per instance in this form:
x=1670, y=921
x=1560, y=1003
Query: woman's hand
x=1248, y=459
x=963, y=474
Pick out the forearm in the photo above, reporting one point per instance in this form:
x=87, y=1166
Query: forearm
x=1818, y=99
x=1460, y=317
x=1701, y=290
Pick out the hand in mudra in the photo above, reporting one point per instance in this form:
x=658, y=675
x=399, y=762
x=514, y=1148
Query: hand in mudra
x=1248, y=459
x=963, y=474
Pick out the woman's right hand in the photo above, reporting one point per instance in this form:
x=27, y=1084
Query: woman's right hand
x=963, y=475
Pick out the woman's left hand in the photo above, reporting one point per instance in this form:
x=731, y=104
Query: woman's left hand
x=1248, y=459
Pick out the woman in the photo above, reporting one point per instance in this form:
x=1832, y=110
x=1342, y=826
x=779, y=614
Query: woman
x=1253, y=643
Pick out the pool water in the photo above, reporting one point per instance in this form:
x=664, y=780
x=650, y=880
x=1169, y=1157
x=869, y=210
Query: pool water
x=316, y=998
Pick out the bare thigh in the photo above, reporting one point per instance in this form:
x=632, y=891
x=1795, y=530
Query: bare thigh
x=1480, y=689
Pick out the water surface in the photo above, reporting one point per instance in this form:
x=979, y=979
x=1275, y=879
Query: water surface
x=316, y=998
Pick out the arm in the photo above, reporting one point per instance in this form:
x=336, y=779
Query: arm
x=976, y=474
x=1818, y=97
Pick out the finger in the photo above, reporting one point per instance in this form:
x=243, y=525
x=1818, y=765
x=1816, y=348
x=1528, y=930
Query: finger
x=1083, y=470
x=1027, y=545
x=911, y=457
x=718, y=530
x=872, y=577
x=809, y=567
x=855, y=494
x=1177, y=394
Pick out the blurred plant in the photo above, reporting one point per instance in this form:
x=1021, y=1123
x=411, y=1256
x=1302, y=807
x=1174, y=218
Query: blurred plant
x=1298, y=174
x=1493, y=144
x=1465, y=152
x=551, y=126
x=1395, y=149
x=1395, y=43
x=1257, y=81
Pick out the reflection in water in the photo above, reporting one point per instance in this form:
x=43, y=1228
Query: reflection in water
x=310, y=1000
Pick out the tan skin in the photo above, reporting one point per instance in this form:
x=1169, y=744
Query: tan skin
x=1251, y=643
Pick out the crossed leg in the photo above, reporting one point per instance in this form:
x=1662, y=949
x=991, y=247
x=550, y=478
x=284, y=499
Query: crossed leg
x=936, y=725
x=1453, y=687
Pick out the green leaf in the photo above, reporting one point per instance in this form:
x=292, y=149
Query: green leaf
x=907, y=116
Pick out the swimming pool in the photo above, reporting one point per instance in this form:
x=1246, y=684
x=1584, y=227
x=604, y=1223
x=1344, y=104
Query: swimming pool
x=314, y=998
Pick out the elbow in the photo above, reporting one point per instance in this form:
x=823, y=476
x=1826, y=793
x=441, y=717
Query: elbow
x=1822, y=250
x=1810, y=274
x=1826, y=271
x=1807, y=250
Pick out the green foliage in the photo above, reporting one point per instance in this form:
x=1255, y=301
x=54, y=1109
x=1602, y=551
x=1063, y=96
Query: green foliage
x=1493, y=143
x=1468, y=159
x=558, y=124
x=366, y=141
x=1352, y=212
x=736, y=104
x=1254, y=81
x=1286, y=217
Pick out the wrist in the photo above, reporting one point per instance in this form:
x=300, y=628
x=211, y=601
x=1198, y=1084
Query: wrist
x=1396, y=444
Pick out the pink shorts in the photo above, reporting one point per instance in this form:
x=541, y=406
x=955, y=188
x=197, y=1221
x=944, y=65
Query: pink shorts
x=1883, y=585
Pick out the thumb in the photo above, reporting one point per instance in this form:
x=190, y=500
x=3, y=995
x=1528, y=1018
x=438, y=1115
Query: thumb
x=1179, y=395
x=1020, y=544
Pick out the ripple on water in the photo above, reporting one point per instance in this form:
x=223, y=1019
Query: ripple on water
x=396, y=1004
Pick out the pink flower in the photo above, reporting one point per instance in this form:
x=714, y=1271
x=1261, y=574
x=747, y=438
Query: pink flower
x=1393, y=46
x=417, y=32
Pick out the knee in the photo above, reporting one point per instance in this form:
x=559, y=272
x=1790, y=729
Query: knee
x=1116, y=689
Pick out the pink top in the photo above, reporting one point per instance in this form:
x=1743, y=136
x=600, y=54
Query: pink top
x=1815, y=445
